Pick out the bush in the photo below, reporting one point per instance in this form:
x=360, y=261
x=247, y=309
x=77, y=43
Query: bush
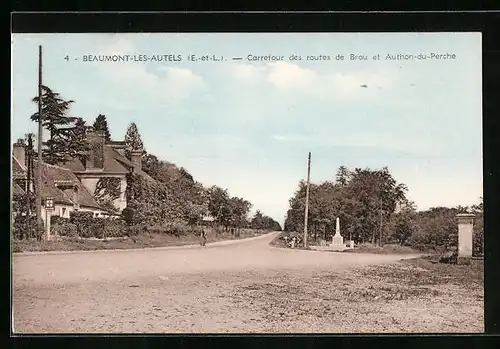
x=65, y=229
x=114, y=228
x=173, y=228
x=24, y=227
x=128, y=215
x=135, y=230
x=84, y=222
x=58, y=220
x=478, y=237
x=89, y=226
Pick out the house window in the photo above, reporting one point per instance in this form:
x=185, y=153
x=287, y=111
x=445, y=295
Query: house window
x=63, y=212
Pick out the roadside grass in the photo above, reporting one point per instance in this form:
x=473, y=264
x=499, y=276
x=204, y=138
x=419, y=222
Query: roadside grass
x=385, y=249
x=143, y=240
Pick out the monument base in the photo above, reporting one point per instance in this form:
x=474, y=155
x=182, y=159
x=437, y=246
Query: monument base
x=338, y=243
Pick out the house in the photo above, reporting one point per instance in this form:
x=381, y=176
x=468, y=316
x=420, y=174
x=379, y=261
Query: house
x=74, y=184
x=107, y=160
x=59, y=183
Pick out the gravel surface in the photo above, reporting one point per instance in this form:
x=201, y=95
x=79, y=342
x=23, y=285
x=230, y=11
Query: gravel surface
x=241, y=286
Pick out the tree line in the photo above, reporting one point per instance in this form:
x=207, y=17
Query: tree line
x=374, y=208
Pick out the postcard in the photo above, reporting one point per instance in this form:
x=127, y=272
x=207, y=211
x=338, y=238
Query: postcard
x=247, y=183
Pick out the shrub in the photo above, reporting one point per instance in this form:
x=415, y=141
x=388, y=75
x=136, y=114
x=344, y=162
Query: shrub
x=478, y=237
x=177, y=229
x=89, y=226
x=65, y=229
x=24, y=227
x=83, y=221
x=58, y=220
x=114, y=228
x=135, y=230
x=128, y=215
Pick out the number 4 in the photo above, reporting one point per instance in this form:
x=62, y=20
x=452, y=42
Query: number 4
x=66, y=58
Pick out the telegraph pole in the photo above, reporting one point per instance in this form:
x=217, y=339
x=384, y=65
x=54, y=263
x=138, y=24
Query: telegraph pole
x=307, y=199
x=380, y=235
x=29, y=179
x=39, y=146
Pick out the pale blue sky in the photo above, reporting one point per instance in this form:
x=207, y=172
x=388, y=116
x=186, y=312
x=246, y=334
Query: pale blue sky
x=248, y=126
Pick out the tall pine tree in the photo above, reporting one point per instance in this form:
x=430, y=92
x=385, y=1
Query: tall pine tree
x=133, y=140
x=101, y=124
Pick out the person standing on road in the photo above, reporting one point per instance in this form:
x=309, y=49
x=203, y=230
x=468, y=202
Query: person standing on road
x=203, y=237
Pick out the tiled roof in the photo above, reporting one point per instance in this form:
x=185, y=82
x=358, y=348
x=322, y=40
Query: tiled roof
x=17, y=190
x=114, y=162
x=54, y=176
x=18, y=170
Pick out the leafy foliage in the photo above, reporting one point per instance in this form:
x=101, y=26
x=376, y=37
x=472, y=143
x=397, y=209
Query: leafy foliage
x=107, y=190
x=24, y=227
x=88, y=226
x=261, y=221
x=361, y=199
x=67, y=134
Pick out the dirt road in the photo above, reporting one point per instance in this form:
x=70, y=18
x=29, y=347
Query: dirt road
x=239, y=286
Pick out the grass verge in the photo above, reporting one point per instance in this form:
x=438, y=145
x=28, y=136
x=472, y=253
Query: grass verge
x=140, y=241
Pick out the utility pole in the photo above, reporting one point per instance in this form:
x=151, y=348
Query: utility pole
x=307, y=199
x=380, y=234
x=29, y=179
x=39, y=145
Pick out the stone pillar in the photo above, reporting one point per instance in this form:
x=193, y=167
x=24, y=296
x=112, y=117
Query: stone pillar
x=465, y=228
x=136, y=159
x=48, y=215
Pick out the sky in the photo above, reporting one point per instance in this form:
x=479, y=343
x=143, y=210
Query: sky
x=247, y=125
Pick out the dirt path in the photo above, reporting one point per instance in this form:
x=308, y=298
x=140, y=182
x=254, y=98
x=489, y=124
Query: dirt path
x=238, y=286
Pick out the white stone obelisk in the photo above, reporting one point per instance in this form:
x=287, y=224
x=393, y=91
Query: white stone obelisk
x=338, y=240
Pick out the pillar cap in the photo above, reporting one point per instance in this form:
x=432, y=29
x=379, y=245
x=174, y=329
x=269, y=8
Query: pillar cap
x=466, y=217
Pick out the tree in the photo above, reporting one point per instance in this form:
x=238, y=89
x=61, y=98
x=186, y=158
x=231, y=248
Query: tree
x=343, y=175
x=101, y=124
x=360, y=198
x=60, y=147
x=239, y=209
x=404, y=225
x=79, y=145
x=133, y=140
x=478, y=231
x=218, y=205
x=263, y=222
x=151, y=165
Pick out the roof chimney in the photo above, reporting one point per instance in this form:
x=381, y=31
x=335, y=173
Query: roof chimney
x=96, y=156
x=136, y=159
x=19, y=151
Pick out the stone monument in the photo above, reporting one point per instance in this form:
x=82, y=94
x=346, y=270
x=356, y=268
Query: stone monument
x=465, y=228
x=337, y=240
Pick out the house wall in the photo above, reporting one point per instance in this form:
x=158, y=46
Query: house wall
x=90, y=182
x=65, y=211
x=121, y=202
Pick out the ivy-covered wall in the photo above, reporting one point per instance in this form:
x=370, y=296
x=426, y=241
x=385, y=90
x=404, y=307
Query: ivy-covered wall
x=148, y=203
